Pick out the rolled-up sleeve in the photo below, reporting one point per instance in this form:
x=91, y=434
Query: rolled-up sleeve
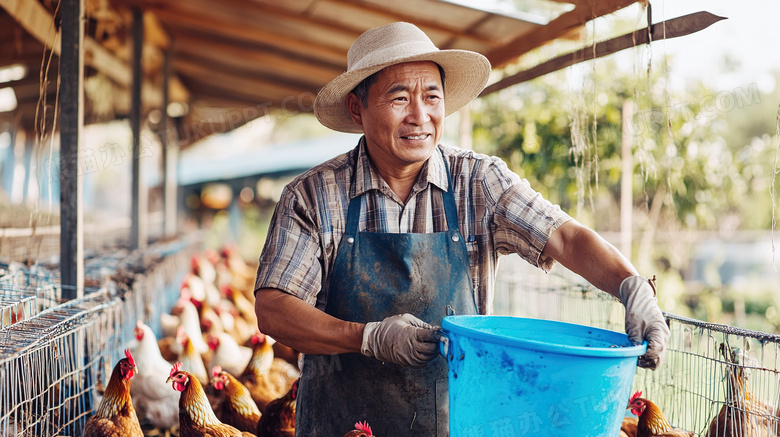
x=523, y=220
x=290, y=260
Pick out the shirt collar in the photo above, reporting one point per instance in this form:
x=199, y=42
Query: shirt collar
x=367, y=177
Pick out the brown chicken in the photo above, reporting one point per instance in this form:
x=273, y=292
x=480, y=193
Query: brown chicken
x=628, y=427
x=256, y=377
x=652, y=422
x=741, y=415
x=236, y=406
x=361, y=430
x=278, y=419
x=196, y=418
x=116, y=416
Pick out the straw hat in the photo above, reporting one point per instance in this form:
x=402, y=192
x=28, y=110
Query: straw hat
x=466, y=72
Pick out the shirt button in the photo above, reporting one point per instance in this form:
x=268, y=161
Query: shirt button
x=350, y=240
x=455, y=238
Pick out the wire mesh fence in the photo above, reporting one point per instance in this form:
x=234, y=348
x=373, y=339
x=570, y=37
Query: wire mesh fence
x=25, y=292
x=54, y=364
x=716, y=380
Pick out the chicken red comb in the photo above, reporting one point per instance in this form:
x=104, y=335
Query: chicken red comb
x=212, y=256
x=194, y=262
x=176, y=368
x=216, y=371
x=635, y=396
x=181, y=335
x=363, y=426
x=226, y=291
x=258, y=337
x=130, y=357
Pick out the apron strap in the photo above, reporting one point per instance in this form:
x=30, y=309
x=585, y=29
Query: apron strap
x=450, y=210
x=353, y=217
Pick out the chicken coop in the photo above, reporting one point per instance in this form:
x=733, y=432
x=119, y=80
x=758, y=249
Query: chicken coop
x=56, y=356
x=185, y=71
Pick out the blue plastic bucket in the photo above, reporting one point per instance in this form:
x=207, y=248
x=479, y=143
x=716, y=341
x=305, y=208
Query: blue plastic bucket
x=511, y=376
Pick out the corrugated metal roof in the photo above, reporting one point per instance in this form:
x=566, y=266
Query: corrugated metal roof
x=199, y=164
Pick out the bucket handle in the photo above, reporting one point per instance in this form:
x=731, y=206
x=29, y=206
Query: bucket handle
x=444, y=344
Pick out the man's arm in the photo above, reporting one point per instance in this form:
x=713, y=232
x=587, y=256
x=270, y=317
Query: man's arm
x=587, y=254
x=584, y=252
x=402, y=339
x=303, y=327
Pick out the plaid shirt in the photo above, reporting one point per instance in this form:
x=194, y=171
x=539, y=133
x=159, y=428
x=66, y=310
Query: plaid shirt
x=498, y=213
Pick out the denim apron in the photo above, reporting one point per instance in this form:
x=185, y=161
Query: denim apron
x=377, y=275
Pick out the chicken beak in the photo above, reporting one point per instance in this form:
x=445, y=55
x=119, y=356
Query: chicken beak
x=168, y=380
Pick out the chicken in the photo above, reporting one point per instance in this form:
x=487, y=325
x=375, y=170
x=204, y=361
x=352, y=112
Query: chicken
x=237, y=266
x=256, y=376
x=228, y=354
x=652, y=422
x=286, y=353
x=239, y=328
x=245, y=308
x=196, y=418
x=153, y=400
x=191, y=358
x=628, y=427
x=116, y=416
x=203, y=268
x=283, y=374
x=190, y=321
x=210, y=321
x=361, y=430
x=278, y=419
x=741, y=415
x=201, y=290
x=236, y=406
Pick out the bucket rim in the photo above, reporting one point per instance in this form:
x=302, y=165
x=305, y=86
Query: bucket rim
x=449, y=325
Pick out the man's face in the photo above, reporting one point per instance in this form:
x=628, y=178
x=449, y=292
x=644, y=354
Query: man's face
x=403, y=119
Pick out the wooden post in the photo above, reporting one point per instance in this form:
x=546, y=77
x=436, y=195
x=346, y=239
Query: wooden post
x=626, y=180
x=170, y=156
x=71, y=119
x=138, y=209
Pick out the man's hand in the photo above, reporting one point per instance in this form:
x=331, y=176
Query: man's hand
x=402, y=339
x=644, y=320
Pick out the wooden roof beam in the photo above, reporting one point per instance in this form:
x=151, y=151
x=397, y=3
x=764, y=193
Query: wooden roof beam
x=252, y=86
x=558, y=27
x=305, y=48
x=261, y=61
x=674, y=28
x=422, y=22
x=290, y=86
x=37, y=21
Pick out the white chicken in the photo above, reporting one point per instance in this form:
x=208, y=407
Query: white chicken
x=228, y=354
x=153, y=400
x=190, y=321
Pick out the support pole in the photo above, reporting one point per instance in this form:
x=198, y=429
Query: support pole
x=626, y=185
x=72, y=119
x=138, y=209
x=170, y=156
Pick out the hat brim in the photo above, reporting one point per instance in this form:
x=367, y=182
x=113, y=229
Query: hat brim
x=466, y=73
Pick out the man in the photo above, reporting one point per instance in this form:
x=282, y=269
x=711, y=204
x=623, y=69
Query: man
x=370, y=250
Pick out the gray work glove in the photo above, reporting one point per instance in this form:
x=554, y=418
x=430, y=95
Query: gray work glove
x=644, y=320
x=402, y=339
